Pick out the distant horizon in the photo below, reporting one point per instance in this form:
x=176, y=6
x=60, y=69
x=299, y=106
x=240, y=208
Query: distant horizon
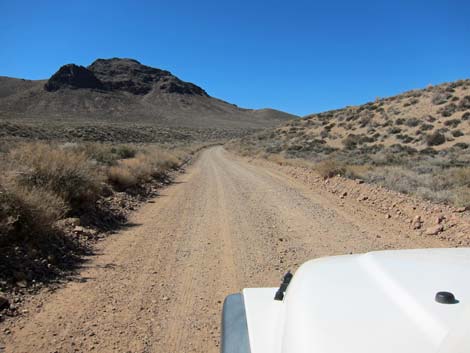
x=214, y=96
x=301, y=58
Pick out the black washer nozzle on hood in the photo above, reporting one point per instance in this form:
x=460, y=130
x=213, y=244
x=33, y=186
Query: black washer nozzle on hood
x=283, y=287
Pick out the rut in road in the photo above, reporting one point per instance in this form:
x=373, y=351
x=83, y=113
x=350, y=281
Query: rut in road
x=159, y=285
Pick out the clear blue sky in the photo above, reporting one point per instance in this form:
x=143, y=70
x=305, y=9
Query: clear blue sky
x=297, y=56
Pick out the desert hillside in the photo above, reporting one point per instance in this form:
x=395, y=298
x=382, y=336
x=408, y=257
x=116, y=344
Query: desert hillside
x=123, y=91
x=416, y=142
x=435, y=117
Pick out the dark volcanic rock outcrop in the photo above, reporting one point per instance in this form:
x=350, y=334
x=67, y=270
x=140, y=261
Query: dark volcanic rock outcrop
x=73, y=76
x=121, y=75
x=131, y=76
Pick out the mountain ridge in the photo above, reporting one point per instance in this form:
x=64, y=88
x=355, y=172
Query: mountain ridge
x=124, y=90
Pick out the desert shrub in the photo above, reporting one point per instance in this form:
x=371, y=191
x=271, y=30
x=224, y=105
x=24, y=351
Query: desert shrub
x=393, y=110
x=440, y=98
x=393, y=177
x=140, y=166
x=429, y=118
x=27, y=212
x=461, y=145
x=329, y=168
x=435, y=139
x=426, y=127
x=144, y=167
x=273, y=149
x=330, y=126
x=457, y=133
x=401, y=150
x=441, y=196
x=394, y=130
x=429, y=151
x=356, y=171
x=100, y=153
x=124, y=151
x=450, y=88
x=67, y=173
x=461, y=196
x=452, y=122
x=163, y=161
x=424, y=179
x=352, y=140
x=376, y=136
x=459, y=176
x=121, y=177
x=412, y=122
x=365, y=120
x=448, y=110
x=404, y=138
x=466, y=116
x=412, y=101
x=399, y=121
x=370, y=106
x=464, y=103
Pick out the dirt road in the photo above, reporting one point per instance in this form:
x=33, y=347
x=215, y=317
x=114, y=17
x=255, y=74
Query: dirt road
x=226, y=224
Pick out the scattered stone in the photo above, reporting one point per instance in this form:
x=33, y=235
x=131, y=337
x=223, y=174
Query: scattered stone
x=78, y=229
x=387, y=216
x=434, y=230
x=417, y=222
x=22, y=284
x=440, y=219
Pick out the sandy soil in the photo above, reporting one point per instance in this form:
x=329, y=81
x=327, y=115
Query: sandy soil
x=226, y=224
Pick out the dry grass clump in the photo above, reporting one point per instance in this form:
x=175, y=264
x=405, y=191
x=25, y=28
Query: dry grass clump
x=67, y=173
x=428, y=181
x=330, y=168
x=144, y=167
x=27, y=212
x=130, y=172
x=41, y=183
x=121, y=177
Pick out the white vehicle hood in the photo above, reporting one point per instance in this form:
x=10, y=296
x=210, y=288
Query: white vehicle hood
x=376, y=302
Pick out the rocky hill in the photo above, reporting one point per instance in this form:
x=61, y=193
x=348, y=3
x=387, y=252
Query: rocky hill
x=428, y=120
x=123, y=90
x=417, y=142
